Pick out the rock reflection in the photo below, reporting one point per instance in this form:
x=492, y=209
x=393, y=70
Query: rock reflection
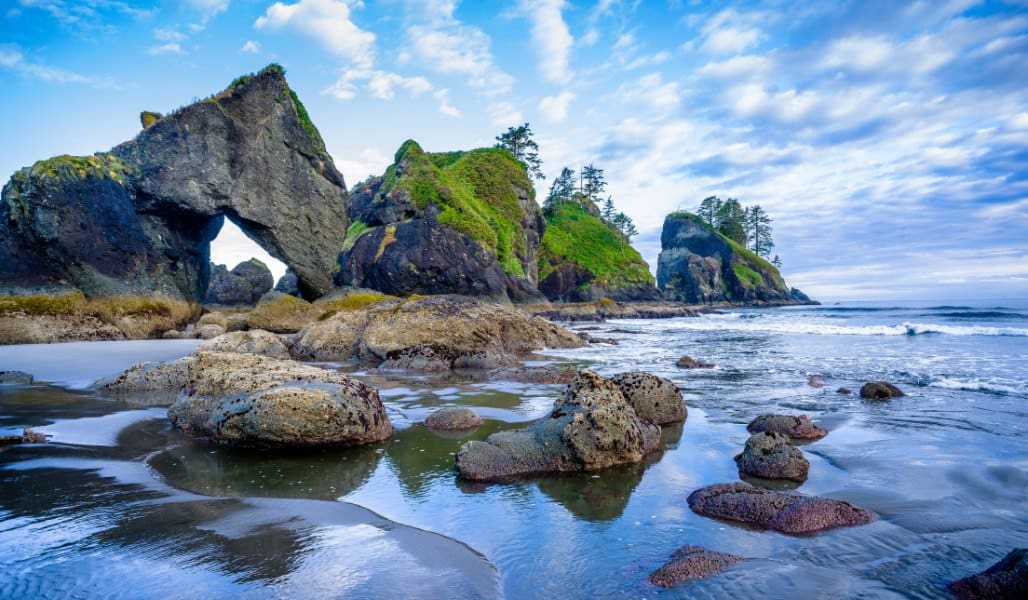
x=419, y=455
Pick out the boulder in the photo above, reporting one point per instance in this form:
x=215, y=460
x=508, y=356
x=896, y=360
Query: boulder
x=256, y=401
x=656, y=400
x=281, y=313
x=138, y=220
x=434, y=329
x=880, y=390
x=254, y=341
x=1007, y=579
x=209, y=331
x=771, y=456
x=171, y=334
x=288, y=284
x=15, y=378
x=699, y=265
x=843, y=390
x=692, y=562
x=591, y=427
x=687, y=362
x=433, y=357
x=453, y=419
x=242, y=286
x=786, y=512
x=795, y=427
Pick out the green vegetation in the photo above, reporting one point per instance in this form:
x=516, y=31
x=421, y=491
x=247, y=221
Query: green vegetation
x=475, y=191
x=518, y=141
x=98, y=165
x=135, y=316
x=747, y=275
x=353, y=233
x=147, y=118
x=748, y=265
x=352, y=302
x=575, y=235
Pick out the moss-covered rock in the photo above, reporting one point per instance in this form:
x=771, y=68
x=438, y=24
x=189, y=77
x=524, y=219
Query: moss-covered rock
x=582, y=258
x=454, y=222
x=699, y=265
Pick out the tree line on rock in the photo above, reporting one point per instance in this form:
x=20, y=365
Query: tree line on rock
x=750, y=227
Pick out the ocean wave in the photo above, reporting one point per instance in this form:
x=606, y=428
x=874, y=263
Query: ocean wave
x=727, y=323
x=980, y=314
x=920, y=328
x=975, y=385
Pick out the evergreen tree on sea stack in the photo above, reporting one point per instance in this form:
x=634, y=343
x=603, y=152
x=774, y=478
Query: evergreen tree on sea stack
x=520, y=143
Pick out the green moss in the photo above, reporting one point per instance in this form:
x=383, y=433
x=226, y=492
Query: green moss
x=307, y=124
x=258, y=262
x=475, y=191
x=746, y=275
x=147, y=118
x=352, y=302
x=574, y=235
x=99, y=165
x=353, y=233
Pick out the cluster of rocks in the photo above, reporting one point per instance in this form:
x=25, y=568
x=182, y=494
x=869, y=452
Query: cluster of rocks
x=242, y=286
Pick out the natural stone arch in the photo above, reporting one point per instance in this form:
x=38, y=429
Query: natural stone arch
x=140, y=218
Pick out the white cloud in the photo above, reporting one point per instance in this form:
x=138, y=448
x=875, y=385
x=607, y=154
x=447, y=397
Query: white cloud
x=380, y=84
x=369, y=161
x=505, y=114
x=729, y=40
x=169, y=48
x=168, y=35
x=551, y=37
x=438, y=41
x=652, y=91
x=209, y=7
x=555, y=108
x=12, y=58
x=327, y=22
x=251, y=47
x=443, y=96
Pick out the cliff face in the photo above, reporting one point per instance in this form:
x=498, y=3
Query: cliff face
x=445, y=223
x=698, y=265
x=583, y=259
x=140, y=218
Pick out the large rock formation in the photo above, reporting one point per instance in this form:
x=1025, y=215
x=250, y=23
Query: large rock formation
x=582, y=258
x=449, y=223
x=242, y=286
x=140, y=218
x=698, y=265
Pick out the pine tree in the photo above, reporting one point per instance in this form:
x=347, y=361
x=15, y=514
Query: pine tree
x=520, y=143
x=708, y=209
x=561, y=190
x=758, y=229
x=592, y=182
x=608, y=211
x=777, y=262
x=731, y=221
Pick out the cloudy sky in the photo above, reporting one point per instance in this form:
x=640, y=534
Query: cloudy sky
x=888, y=140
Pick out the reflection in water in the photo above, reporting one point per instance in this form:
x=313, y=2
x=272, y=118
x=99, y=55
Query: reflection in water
x=419, y=455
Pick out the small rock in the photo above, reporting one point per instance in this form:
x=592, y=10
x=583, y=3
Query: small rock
x=655, y=399
x=843, y=390
x=688, y=362
x=797, y=428
x=787, y=512
x=771, y=456
x=815, y=381
x=1006, y=579
x=171, y=334
x=880, y=390
x=15, y=378
x=692, y=562
x=453, y=419
x=209, y=331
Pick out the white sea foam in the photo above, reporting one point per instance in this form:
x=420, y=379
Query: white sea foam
x=731, y=322
x=975, y=385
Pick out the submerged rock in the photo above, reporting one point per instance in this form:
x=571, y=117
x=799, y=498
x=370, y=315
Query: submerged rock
x=255, y=401
x=771, y=456
x=655, y=399
x=692, y=562
x=815, y=381
x=880, y=390
x=591, y=427
x=844, y=391
x=688, y=362
x=796, y=427
x=15, y=378
x=1007, y=579
x=453, y=419
x=787, y=512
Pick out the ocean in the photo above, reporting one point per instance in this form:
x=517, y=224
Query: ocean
x=118, y=505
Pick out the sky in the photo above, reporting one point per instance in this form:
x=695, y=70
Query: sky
x=888, y=140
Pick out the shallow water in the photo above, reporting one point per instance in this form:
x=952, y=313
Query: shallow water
x=119, y=505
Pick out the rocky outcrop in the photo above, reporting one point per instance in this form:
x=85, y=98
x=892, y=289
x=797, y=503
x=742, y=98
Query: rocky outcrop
x=787, y=512
x=280, y=313
x=140, y=218
x=242, y=286
x=1007, y=579
x=609, y=309
x=442, y=330
x=698, y=265
x=591, y=427
x=453, y=419
x=880, y=390
x=692, y=562
x=451, y=223
x=655, y=399
x=584, y=259
x=771, y=456
x=288, y=284
x=795, y=427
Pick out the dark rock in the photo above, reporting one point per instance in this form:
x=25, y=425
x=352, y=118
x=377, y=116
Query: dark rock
x=138, y=220
x=589, y=339
x=543, y=375
x=843, y=390
x=15, y=378
x=655, y=399
x=787, y=512
x=687, y=362
x=815, y=381
x=288, y=284
x=692, y=562
x=242, y=286
x=799, y=296
x=591, y=427
x=880, y=390
x=698, y=265
x=771, y=456
x=453, y=419
x=1007, y=579
x=795, y=427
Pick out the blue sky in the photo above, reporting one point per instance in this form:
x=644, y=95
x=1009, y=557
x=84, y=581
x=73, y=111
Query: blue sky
x=888, y=140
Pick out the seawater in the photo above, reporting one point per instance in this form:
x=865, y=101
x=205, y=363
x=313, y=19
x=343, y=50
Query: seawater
x=118, y=505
